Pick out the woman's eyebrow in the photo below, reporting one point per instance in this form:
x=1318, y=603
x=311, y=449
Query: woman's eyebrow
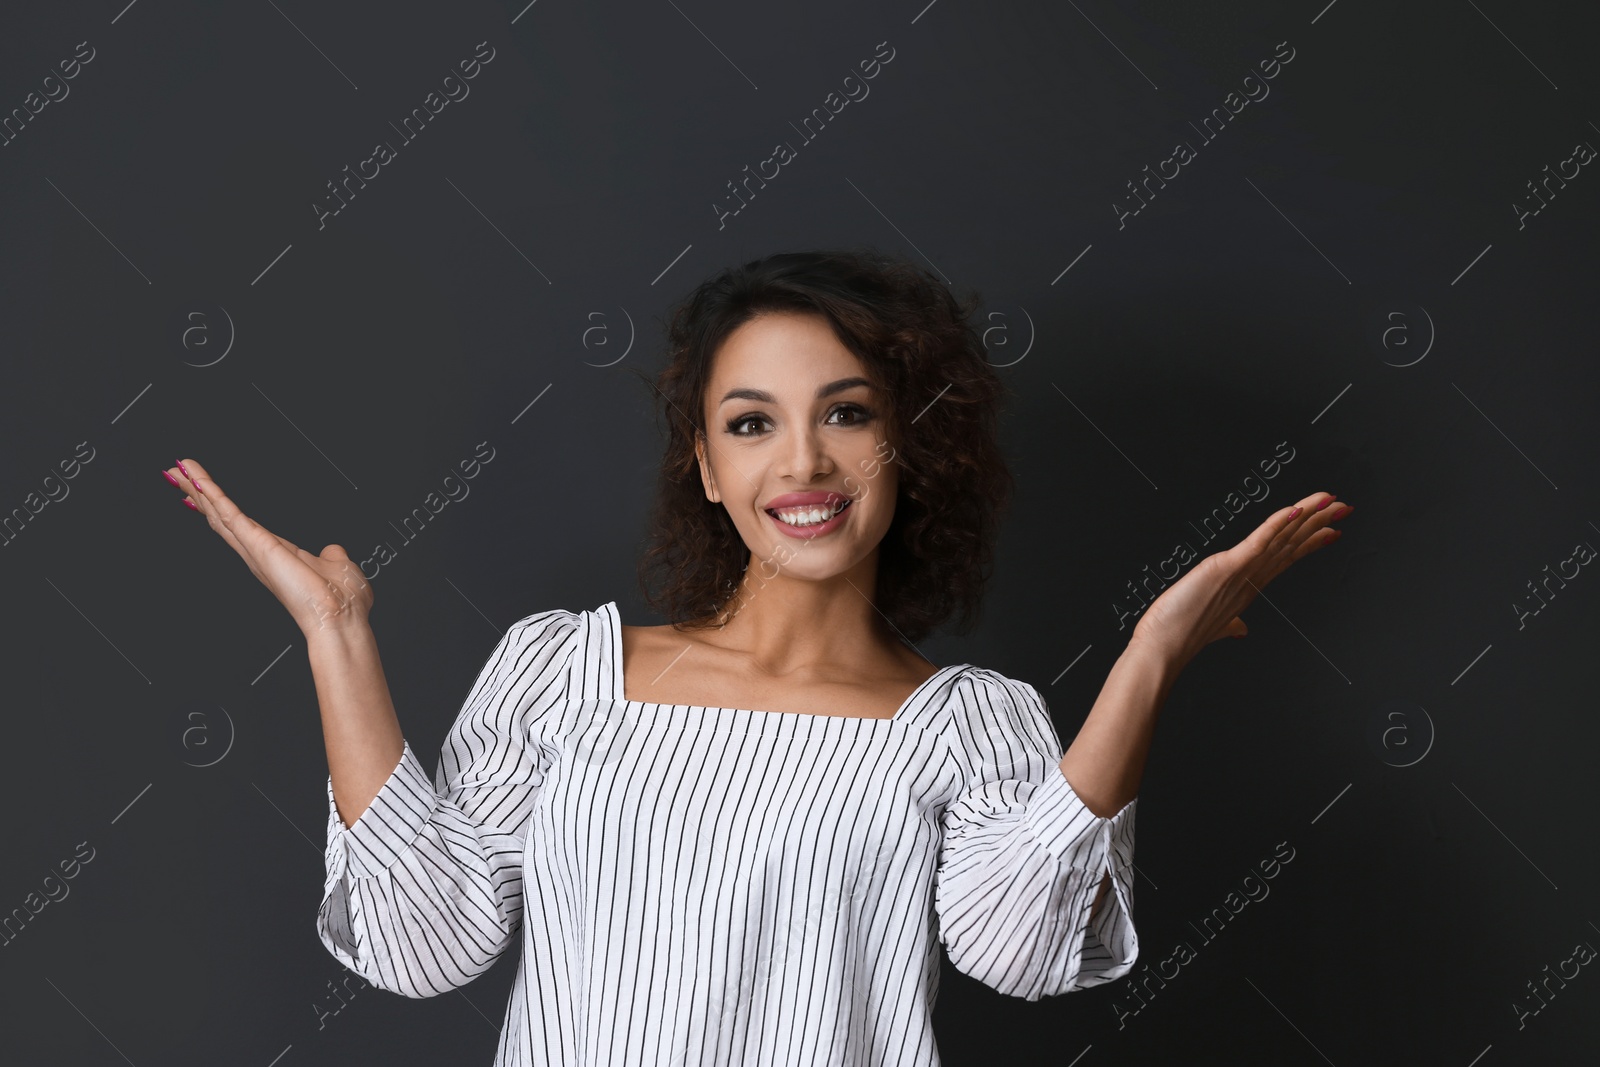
x=761, y=396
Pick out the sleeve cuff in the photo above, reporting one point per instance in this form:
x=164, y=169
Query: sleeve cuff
x=383, y=833
x=1086, y=841
x=1063, y=823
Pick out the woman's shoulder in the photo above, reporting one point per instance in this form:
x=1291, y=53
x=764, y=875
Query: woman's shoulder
x=578, y=640
x=984, y=709
x=971, y=686
x=550, y=624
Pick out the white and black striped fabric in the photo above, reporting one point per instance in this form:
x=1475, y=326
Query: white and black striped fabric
x=698, y=886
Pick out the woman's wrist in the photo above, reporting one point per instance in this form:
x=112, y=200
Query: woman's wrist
x=1156, y=655
x=338, y=631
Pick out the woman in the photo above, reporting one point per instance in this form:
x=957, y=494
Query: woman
x=697, y=881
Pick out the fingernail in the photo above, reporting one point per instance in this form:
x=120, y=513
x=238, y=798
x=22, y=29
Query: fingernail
x=1319, y=507
x=1292, y=514
x=1341, y=513
x=187, y=475
x=189, y=502
x=170, y=478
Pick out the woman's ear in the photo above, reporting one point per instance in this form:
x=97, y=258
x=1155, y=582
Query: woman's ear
x=706, y=477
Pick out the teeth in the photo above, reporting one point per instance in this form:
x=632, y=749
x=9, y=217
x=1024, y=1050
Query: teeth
x=809, y=516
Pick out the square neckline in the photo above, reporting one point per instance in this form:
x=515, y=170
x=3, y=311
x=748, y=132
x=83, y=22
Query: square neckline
x=614, y=630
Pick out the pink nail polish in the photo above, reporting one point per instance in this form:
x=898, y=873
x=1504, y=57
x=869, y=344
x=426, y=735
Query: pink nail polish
x=1295, y=512
x=187, y=475
x=190, y=503
x=1319, y=507
x=170, y=478
x=1341, y=513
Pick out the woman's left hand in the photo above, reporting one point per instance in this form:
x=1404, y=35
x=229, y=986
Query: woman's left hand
x=1204, y=605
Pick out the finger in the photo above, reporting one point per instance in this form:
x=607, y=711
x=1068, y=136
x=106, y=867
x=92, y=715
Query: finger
x=246, y=536
x=1307, y=509
x=1319, y=538
x=1303, y=521
x=190, y=473
x=1279, y=529
x=181, y=481
x=1327, y=511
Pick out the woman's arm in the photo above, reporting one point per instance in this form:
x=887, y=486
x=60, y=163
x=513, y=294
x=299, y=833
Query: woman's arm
x=424, y=880
x=1021, y=855
x=359, y=725
x=1105, y=762
x=331, y=601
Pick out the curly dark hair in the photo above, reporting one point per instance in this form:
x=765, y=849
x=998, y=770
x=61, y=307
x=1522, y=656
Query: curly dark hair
x=924, y=357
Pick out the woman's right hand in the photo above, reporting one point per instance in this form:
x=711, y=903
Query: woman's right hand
x=322, y=593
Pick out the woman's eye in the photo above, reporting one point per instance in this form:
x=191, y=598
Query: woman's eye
x=857, y=414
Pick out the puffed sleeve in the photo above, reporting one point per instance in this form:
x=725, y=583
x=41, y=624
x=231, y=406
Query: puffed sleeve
x=1022, y=857
x=424, y=892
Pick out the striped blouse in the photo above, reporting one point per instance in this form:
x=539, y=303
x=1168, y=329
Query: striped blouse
x=700, y=885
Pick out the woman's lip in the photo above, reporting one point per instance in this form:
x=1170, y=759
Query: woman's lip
x=809, y=532
x=821, y=498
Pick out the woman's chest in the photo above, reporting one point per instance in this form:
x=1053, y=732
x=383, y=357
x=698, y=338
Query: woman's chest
x=719, y=801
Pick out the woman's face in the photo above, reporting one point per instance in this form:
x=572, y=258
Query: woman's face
x=789, y=412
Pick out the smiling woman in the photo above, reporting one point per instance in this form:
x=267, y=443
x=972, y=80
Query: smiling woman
x=741, y=837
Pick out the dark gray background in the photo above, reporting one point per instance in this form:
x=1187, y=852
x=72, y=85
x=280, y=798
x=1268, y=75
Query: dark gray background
x=1244, y=307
